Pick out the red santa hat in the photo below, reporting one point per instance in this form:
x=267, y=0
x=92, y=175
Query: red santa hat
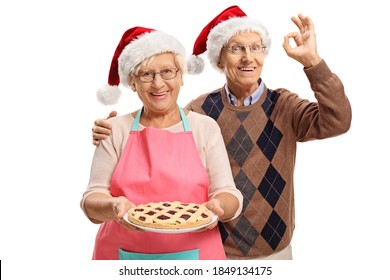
x=218, y=32
x=136, y=45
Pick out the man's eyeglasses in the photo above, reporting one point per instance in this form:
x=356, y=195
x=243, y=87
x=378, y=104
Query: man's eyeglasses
x=241, y=49
x=166, y=74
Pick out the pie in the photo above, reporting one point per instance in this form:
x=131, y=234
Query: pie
x=169, y=215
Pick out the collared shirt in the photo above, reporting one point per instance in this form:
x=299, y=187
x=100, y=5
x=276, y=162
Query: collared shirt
x=255, y=96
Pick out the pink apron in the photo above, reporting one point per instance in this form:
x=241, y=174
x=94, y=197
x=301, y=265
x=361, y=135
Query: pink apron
x=158, y=165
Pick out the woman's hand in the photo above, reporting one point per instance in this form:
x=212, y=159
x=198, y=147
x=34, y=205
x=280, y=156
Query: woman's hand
x=214, y=205
x=120, y=206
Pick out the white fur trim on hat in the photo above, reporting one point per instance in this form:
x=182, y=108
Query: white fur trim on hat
x=222, y=32
x=108, y=95
x=143, y=47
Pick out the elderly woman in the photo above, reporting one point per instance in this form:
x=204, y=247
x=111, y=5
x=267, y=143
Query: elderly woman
x=158, y=153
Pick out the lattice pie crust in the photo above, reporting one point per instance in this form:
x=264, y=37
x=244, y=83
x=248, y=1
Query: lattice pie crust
x=170, y=215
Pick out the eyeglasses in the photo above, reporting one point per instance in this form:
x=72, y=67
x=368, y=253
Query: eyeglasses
x=241, y=49
x=166, y=74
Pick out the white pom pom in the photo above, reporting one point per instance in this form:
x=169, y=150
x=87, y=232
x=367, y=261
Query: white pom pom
x=195, y=64
x=108, y=95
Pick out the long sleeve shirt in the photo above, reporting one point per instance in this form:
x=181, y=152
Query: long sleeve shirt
x=261, y=143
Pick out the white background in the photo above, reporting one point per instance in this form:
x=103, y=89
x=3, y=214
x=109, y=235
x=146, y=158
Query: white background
x=56, y=54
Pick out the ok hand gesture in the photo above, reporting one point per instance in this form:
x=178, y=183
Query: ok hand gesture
x=305, y=50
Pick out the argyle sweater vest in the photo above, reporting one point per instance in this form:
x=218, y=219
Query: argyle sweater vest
x=260, y=172
x=261, y=143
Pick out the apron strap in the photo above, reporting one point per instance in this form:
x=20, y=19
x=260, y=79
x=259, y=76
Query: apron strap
x=134, y=127
x=183, y=116
x=184, y=120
